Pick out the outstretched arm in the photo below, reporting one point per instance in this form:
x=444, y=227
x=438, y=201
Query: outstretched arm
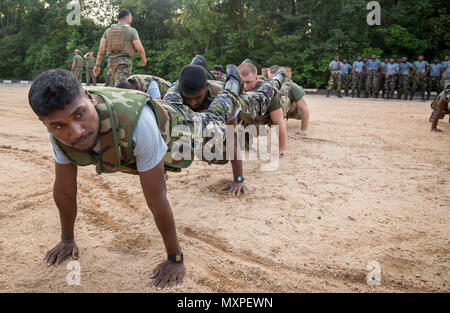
x=153, y=185
x=100, y=52
x=65, y=196
x=301, y=104
x=140, y=49
x=236, y=187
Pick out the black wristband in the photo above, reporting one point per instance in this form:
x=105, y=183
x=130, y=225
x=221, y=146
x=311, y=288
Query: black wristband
x=239, y=179
x=176, y=257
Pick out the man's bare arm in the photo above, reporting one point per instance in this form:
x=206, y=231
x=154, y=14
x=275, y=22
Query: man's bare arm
x=303, y=107
x=65, y=196
x=153, y=185
x=100, y=53
x=236, y=188
x=140, y=49
x=436, y=115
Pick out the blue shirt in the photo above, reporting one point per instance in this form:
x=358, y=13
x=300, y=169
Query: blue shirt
x=334, y=65
x=345, y=68
x=436, y=70
x=404, y=68
x=153, y=90
x=358, y=66
x=392, y=68
x=373, y=65
x=385, y=65
x=446, y=66
x=150, y=146
x=421, y=66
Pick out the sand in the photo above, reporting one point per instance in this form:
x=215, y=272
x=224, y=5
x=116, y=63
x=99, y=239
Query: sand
x=369, y=183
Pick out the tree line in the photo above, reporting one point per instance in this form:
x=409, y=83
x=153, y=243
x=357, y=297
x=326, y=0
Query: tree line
x=302, y=34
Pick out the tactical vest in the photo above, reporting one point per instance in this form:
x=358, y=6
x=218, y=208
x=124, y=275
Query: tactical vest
x=290, y=109
x=119, y=111
x=143, y=81
x=116, y=40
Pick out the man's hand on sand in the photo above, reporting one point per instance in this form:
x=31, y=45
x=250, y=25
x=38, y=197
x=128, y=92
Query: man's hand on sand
x=235, y=189
x=56, y=255
x=168, y=274
x=301, y=133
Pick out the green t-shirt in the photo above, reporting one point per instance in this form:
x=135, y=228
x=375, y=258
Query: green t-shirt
x=296, y=93
x=90, y=62
x=130, y=35
x=78, y=59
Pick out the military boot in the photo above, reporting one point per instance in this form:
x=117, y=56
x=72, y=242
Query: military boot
x=328, y=93
x=371, y=94
x=339, y=94
x=428, y=95
x=234, y=82
x=423, y=96
x=411, y=96
x=353, y=94
x=280, y=76
x=366, y=94
x=359, y=94
x=346, y=93
x=405, y=96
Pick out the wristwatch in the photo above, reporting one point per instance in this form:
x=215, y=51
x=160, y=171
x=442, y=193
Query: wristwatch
x=239, y=179
x=176, y=257
x=97, y=65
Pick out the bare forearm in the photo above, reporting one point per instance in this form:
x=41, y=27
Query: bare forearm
x=165, y=222
x=305, y=114
x=67, y=206
x=437, y=114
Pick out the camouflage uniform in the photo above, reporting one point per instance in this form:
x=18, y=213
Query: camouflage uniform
x=435, y=78
x=290, y=99
x=90, y=71
x=335, y=77
x=420, y=77
x=78, y=68
x=443, y=95
x=117, y=125
x=143, y=82
x=120, y=50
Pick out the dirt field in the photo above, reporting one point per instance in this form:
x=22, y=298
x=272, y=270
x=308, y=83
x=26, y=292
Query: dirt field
x=369, y=183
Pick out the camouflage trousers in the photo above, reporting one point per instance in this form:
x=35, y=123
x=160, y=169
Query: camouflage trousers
x=108, y=79
x=357, y=82
x=390, y=84
x=434, y=84
x=212, y=123
x=77, y=71
x=335, y=78
x=420, y=79
x=120, y=68
x=444, y=77
x=403, y=84
x=345, y=80
x=90, y=77
x=372, y=81
x=382, y=82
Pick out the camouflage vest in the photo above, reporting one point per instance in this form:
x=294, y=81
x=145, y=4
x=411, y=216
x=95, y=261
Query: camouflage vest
x=143, y=81
x=290, y=109
x=116, y=41
x=119, y=111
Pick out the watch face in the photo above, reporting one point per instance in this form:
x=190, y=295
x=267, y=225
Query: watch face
x=178, y=258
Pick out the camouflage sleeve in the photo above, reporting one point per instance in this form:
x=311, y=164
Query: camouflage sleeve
x=173, y=95
x=256, y=103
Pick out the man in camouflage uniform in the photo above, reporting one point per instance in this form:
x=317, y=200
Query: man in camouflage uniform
x=391, y=78
x=335, y=77
x=373, y=68
x=77, y=65
x=126, y=131
x=90, y=63
x=382, y=77
x=155, y=86
x=403, y=79
x=345, y=75
x=357, y=74
x=294, y=102
x=218, y=73
x=121, y=41
x=420, y=72
x=440, y=107
x=435, y=77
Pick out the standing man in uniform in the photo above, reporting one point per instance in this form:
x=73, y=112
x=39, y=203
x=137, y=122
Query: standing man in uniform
x=357, y=74
x=345, y=75
x=90, y=63
x=403, y=79
x=120, y=41
x=77, y=65
x=391, y=78
x=435, y=77
x=420, y=72
x=373, y=68
x=335, y=77
x=382, y=79
x=445, y=71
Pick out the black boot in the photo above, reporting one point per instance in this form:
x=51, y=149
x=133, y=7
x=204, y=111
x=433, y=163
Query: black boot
x=359, y=94
x=280, y=76
x=346, y=93
x=353, y=93
x=234, y=82
x=411, y=96
x=371, y=94
x=428, y=95
x=328, y=93
x=339, y=95
x=405, y=96
x=366, y=94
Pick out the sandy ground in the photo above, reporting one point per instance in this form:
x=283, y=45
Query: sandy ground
x=369, y=183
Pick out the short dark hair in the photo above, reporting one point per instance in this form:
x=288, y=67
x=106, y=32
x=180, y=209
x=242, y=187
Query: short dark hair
x=218, y=68
x=192, y=79
x=123, y=14
x=127, y=85
x=53, y=90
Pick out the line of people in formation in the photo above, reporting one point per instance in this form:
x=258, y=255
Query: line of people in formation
x=388, y=76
